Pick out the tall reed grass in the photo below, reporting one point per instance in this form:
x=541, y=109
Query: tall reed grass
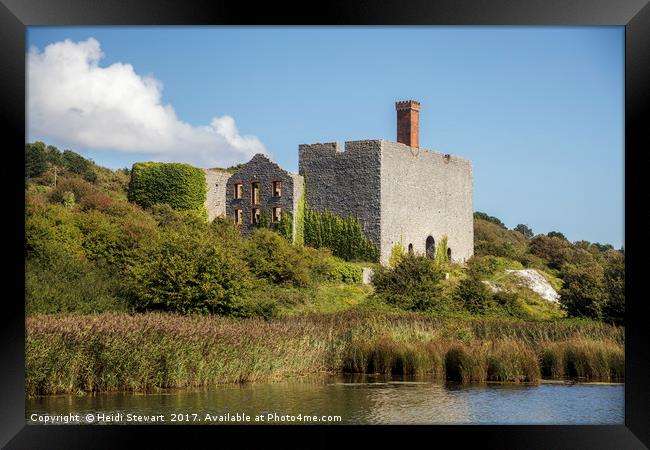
x=118, y=351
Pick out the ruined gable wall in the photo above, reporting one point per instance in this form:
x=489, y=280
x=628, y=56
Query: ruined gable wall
x=259, y=169
x=424, y=193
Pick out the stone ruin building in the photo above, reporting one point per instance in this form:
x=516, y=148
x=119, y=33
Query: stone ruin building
x=398, y=191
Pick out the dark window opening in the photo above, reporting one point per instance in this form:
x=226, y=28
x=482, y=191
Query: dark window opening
x=255, y=216
x=277, y=189
x=239, y=191
x=430, y=247
x=277, y=214
x=410, y=249
x=239, y=216
x=449, y=254
x=255, y=193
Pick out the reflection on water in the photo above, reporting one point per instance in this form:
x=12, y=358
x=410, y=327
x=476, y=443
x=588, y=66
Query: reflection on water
x=365, y=399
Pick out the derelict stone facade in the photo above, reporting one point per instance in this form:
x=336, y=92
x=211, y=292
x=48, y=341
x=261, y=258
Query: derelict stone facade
x=215, y=201
x=345, y=183
x=425, y=193
x=262, y=170
x=398, y=193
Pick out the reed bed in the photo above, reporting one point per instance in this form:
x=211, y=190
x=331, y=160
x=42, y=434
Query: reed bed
x=145, y=352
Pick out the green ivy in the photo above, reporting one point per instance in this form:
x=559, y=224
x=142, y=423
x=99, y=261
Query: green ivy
x=441, y=251
x=180, y=186
x=300, y=216
x=341, y=235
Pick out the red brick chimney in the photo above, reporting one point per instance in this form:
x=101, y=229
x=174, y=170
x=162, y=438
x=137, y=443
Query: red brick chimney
x=408, y=122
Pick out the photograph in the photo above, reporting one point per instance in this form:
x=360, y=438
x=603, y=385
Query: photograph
x=324, y=225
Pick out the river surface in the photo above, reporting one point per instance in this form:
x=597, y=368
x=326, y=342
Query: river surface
x=356, y=399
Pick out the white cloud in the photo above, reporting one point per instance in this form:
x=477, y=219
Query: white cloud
x=74, y=101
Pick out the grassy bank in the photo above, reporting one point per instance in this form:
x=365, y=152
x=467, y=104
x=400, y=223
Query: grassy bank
x=117, y=351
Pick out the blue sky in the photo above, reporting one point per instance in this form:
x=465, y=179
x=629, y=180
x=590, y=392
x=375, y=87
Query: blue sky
x=538, y=110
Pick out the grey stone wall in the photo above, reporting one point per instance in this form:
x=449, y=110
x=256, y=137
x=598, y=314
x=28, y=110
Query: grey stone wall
x=425, y=193
x=215, y=201
x=345, y=183
x=263, y=170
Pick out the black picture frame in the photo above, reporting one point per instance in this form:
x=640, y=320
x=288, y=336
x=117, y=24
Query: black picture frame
x=16, y=15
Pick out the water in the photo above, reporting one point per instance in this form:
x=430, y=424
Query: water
x=356, y=399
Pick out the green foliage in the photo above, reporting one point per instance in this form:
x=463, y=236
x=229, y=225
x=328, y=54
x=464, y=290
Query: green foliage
x=495, y=240
x=265, y=220
x=525, y=230
x=285, y=226
x=35, y=160
x=474, y=295
x=584, y=293
x=79, y=187
x=441, y=252
x=483, y=216
x=188, y=272
x=614, y=278
x=556, y=234
x=414, y=284
x=341, y=235
x=234, y=168
x=345, y=272
x=273, y=258
x=76, y=163
x=67, y=284
x=300, y=218
x=396, y=254
x=179, y=185
x=484, y=267
x=68, y=199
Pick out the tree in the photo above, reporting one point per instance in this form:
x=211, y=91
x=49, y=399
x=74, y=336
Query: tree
x=584, y=292
x=487, y=217
x=556, y=234
x=614, y=310
x=76, y=163
x=413, y=284
x=552, y=249
x=525, y=230
x=474, y=295
x=35, y=160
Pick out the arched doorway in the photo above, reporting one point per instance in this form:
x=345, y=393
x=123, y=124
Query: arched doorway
x=410, y=249
x=448, y=253
x=430, y=247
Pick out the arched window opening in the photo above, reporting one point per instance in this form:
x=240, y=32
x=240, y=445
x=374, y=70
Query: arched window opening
x=449, y=253
x=410, y=249
x=430, y=247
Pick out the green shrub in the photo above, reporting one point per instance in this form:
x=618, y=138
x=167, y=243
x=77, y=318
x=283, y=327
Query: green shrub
x=67, y=284
x=79, y=187
x=584, y=293
x=180, y=186
x=188, y=272
x=396, y=254
x=474, y=295
x=341, y=235
x=273, y=258
x=51, y=233
x=414, y=284
x=483, y=267
x=345, y=272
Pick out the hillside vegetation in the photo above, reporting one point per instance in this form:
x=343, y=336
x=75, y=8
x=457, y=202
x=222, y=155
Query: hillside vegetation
x=82, y=231
x=95, y=262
